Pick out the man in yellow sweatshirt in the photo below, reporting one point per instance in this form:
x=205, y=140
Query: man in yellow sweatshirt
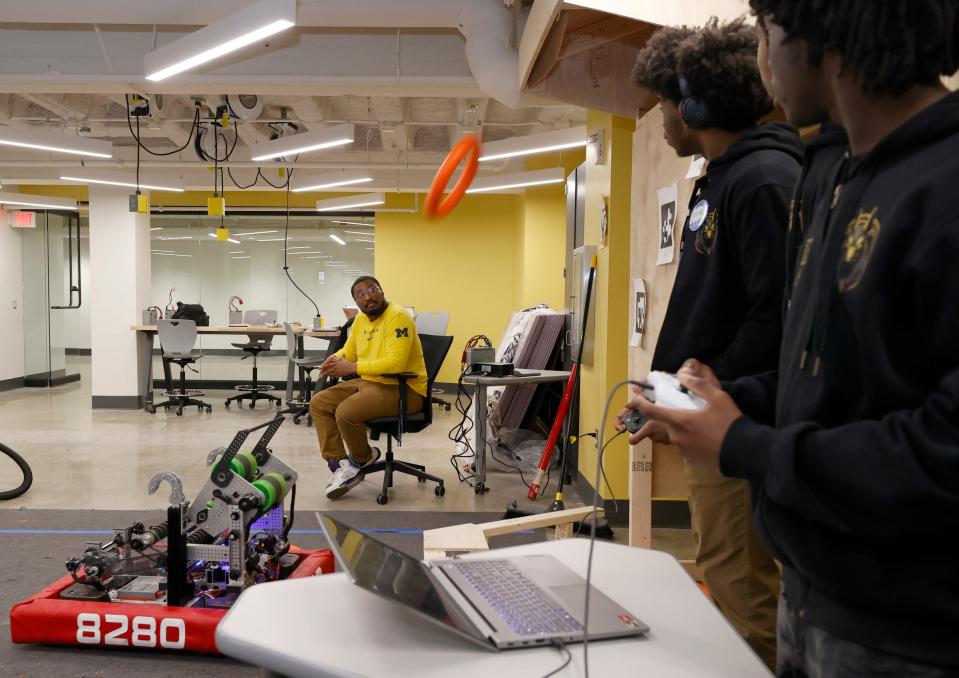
x=383, y=341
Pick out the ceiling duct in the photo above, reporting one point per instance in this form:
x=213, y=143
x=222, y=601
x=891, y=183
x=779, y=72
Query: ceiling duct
x=487, y=26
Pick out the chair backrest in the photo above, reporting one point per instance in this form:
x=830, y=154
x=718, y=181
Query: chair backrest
x=255, y=317
x=432, y=322
x=435, y=349
x=176, y=336
x=290, y=341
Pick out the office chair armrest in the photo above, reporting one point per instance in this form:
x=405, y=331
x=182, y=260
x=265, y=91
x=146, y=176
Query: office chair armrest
x=401, y=426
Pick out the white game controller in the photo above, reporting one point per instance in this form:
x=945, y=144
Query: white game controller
x=668, y=392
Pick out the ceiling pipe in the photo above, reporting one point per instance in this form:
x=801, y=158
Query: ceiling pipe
x=487, y=26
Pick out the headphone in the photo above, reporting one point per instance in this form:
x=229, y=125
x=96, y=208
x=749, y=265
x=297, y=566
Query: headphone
x=695, y=111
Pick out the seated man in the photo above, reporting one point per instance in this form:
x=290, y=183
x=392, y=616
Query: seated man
x=383, y=341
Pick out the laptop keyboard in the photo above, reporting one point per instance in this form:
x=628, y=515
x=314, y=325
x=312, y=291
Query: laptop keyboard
x=517, y=600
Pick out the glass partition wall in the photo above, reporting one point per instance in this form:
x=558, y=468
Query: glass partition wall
x=191, y=266
x=52, y=295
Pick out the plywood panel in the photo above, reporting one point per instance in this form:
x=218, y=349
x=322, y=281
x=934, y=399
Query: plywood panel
x=654, y=470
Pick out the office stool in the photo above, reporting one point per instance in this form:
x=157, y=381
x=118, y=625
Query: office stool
x=256, y=344
x=177, y=338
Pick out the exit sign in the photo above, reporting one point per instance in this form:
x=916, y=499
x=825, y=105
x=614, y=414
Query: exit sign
x=23, y=219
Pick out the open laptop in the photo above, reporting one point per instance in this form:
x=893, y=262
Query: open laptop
x=500, y=604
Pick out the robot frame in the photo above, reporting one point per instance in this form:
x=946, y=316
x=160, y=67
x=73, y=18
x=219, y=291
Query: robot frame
x=133, y=591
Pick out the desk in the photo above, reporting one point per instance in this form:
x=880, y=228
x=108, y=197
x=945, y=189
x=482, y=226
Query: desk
x=326, y=626
x=146, y=333
x=479, y=412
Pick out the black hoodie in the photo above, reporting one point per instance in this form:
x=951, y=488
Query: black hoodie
x=725, y=307
x=856, y=489
x=756, y=395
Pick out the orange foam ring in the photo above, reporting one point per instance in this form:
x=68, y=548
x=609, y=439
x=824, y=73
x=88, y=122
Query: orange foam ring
x=468, y=147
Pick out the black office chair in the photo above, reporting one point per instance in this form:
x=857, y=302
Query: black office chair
x=434, y=353
x=177, y=338
x=256, y=344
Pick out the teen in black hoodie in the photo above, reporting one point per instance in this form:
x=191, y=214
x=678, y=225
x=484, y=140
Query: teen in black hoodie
x=856, y=488
x=725, y=305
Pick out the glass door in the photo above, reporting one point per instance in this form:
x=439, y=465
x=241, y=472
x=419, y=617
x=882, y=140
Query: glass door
x=52, y=298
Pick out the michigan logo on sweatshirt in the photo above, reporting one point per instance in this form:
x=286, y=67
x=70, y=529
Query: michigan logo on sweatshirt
x=857, y=248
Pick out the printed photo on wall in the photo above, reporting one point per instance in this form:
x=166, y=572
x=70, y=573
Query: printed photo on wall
x=667, y=223
x=638, y=312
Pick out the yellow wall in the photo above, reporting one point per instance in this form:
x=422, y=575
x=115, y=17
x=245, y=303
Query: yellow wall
x=543, y=246
x=611, y=291
x=465, y=264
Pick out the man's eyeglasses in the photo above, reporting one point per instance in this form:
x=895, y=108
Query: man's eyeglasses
x=360, y=295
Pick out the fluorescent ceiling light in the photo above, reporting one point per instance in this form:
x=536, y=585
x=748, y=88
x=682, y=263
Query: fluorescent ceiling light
x=369, y=248
x=553, y=175
x=358, y=232
x=257, y=233
x=513, y=147
x=337, y=239
x=157, y=228
x=350, y=202
x=359, y=240
x=307, y=142
x=326, y=256
x=120, y=182
x=31, y=200
x=351, y=223
x=163, y=251
x=298, y=247
x=43, y=140
x=182, y=237
x=332, y=180
x=237, y=252
x=236, y=242
x=229, y=34
x=239, y=257
x=268, y=239
x=313, y=252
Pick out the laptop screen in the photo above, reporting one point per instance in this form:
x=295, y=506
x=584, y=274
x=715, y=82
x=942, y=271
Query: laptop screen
x=384, y=570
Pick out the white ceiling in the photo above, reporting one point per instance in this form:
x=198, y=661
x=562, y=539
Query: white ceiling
x=397, y=69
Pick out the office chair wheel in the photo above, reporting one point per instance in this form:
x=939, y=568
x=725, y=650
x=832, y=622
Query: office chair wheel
x=381, y=499
x=296, y=421
x=151, y=408
x=439, y=491
x=252, y=404
x=421, y=480
x=227, y=403
x=179, y=412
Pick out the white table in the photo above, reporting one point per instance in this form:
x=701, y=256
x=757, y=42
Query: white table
x=479, y=409
x=327, y=626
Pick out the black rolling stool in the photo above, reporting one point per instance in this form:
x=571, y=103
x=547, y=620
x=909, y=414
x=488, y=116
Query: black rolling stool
x=254, y=347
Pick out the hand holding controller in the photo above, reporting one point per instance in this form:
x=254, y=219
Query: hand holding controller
x=633, y=421
x=668, y=392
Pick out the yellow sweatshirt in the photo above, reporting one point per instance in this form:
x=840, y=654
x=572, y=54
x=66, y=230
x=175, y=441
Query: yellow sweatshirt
x=387, y=345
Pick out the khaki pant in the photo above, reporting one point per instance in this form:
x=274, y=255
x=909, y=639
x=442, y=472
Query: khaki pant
x=340, y=412
x=741, y=576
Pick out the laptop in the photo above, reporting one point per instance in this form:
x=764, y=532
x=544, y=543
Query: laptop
x=504, y=603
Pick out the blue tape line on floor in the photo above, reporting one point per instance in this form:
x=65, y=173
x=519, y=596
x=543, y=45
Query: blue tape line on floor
x=383, y=531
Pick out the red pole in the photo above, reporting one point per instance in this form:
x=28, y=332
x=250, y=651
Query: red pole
x=553, y=434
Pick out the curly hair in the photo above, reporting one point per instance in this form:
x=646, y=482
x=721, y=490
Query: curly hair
x=890, y=45
x=719, y=65
x=655, y=67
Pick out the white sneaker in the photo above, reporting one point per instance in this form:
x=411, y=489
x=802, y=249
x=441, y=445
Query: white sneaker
x=343, y=480
x=347, y=476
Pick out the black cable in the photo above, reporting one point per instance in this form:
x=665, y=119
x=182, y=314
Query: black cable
x=289, y=175
x=289, y=524
x=24, y=468
x=256, y=177
x=592, y=523
x=286, y=240
x=136, y=137
x=138, y=157
x=460, y=433
x=563, y=650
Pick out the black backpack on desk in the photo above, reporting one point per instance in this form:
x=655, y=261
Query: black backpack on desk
x=192, y=312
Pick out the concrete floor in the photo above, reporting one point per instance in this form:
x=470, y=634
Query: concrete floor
x=102, y=459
